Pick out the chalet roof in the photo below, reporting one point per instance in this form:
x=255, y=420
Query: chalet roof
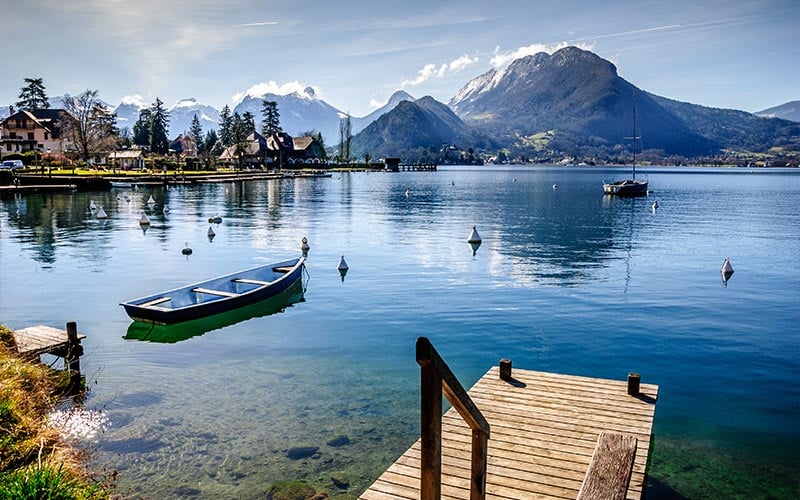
x=302, y=143
x=49, y=114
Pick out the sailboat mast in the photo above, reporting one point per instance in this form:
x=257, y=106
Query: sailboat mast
x=634, y=132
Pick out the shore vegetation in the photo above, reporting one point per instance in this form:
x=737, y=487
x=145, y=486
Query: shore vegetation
x=35, y=461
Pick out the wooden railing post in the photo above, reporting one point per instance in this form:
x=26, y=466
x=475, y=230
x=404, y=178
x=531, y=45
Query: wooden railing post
x=431, y=430
x=436, y=379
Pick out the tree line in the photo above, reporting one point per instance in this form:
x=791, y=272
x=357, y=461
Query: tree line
x=92, y=128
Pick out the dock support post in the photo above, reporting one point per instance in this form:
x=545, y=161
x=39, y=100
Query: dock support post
x=505, y=369
x=634, y=379
x=431, y=419
x=74, y=352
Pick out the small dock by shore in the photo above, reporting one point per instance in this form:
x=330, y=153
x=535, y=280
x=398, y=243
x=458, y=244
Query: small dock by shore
x=551, y=436
x=34, y=341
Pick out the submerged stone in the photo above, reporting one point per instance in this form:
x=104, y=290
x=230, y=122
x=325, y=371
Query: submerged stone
x=298, y=452
x=339, y=441
x=290, y=490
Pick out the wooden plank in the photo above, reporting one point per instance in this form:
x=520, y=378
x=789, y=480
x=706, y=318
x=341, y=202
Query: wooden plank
x=544, y=435
x=40, y=339
x=154, y=302
x=610, y=469
x=215, y=292
x=251, y=282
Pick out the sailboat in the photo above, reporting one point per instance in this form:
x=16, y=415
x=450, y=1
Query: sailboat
x=628, y=187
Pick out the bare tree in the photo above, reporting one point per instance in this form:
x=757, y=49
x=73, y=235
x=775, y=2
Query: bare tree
x=89, y=125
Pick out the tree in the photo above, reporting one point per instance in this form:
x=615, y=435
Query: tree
x=89, y=124
x=225, y=124
x=249, y=122
x=271, y=124
x=239, y=133
x=141, y=129
x=210, y=141
x=345, y=136
x=159, y=121
x=125, y=138
x=196, y=130
x=32, y=95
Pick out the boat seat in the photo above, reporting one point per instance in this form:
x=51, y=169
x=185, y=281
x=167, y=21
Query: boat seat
x=250, y=282
x=282, y=269
x=215, y=292
x=153, y=302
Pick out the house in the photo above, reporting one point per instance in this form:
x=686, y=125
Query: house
x=127, y=160
x=280, y=147
x=252, y=151
x=308, y=150
x=38, y=130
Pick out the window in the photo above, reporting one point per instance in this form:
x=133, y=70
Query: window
x=30, y=136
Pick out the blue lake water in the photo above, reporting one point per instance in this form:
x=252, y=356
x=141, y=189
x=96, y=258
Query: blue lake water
x=566, y=280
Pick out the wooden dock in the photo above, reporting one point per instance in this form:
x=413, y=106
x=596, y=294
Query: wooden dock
x=544, y=431
x=34, y=341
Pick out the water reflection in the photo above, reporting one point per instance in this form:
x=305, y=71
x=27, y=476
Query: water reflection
x=170, y=334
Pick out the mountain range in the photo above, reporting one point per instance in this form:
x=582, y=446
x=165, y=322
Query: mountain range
x=569, y=102
x=787, y=111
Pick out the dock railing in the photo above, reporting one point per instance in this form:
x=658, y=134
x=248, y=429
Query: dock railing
x=437, y=379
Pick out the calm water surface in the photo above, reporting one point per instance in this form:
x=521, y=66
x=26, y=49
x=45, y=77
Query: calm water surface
x=566, y=280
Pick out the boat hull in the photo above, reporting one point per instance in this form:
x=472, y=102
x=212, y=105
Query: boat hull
x=217, y=295
x=626, y=188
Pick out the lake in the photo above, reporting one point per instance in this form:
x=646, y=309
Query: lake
x=566, y=280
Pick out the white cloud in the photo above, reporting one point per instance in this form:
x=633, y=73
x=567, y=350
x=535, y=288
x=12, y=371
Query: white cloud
x=501, y=59
x=461, y=63
x=272, y=87
x=135, y=99
x=425, y=74
x=430, y=70
x=375, y=104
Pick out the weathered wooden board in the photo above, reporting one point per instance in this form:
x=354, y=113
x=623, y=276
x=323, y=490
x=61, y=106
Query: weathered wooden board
x=37, y=340
x=544, y=430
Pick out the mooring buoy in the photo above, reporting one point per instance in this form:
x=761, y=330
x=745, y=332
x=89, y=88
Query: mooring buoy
x=474, y=237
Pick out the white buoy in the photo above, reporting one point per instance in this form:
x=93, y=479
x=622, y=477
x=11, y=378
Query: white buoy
x=727, y=268
x=101, y=214
x=655, y=205
x=304, y=245
x=408, y=193
x=92, y=206
x=342, y=265
x=151, y=201
x=555, y=186
x=474, y=237
x=211, y=232
x=144, y=221
x=186, y=250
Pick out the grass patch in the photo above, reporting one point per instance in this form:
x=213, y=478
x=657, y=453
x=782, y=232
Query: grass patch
x=34, y=461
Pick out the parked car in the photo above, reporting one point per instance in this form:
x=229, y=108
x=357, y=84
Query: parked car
x=12, y=164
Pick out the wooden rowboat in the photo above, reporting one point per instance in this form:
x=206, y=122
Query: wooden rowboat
x=216, y=295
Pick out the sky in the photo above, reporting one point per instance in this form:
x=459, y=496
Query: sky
x=736, y=54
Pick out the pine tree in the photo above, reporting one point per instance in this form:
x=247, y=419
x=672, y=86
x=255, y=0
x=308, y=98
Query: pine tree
x=225, y=125
x=159, y=122
x=196, y=130
x=271, y=124
x=32, y=95
x=141, y=129
x=249, y=122
x=239, y=133
x=210, y=141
